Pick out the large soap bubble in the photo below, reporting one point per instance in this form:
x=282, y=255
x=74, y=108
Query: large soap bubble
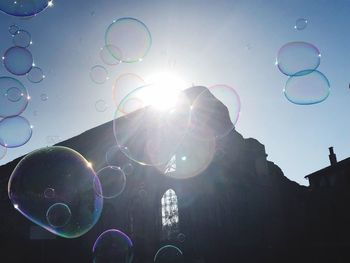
x=130, y=39
x=13, y=97
x=23, y=7
x=169, y=254
x=18, y=60
x=54, y=187
x=298, y=57
x=15, y=131
x=154, y=120
x=113, y=246
x=307, y=88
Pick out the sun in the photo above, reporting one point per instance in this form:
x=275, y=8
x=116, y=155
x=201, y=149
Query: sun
x=165, y=90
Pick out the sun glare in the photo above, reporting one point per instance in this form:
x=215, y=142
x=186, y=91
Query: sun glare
x=165, y=90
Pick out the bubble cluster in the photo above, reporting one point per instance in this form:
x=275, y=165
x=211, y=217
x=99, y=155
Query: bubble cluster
x=35, y=75
x=23, y=7
x=169, y=254
x=113, y=246
x=307, y=89
x=13, y=97
x=15, y=131
x=111, y=182
x=131, y=37
x=18, y=60
x=301, y=24
x=54, y=187
x=298, y=58
x=22, y=38
x=154, y=120
x=99, y=74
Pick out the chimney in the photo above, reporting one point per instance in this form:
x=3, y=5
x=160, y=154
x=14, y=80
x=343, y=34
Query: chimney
x=332, y=156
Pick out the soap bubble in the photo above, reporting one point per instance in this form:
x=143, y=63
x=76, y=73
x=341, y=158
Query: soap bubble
x=58, y=215
x=218, y=108
x=169, y=254
x=298, y=57
x=44, y=97
x=15, y=131
x=151, y=129
x=181, y=237
x=113, y=246
x=112, y=180
x=49, y=193
x=23, y=7
x=307, y=88
x=74, y=208
x=101, y=106
x=125, y=84
x=22, y=38
x=301, y=24
x=13, y=97
x=131, y=37
x=107, y=57
x=99, y=74
x=35, y=75
x=13, y=29
x=18, y=60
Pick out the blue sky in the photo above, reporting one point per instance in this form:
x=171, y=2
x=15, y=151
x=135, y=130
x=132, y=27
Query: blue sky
x=205, y=43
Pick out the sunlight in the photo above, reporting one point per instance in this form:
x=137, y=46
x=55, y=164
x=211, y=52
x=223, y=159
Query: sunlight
x=165, y=90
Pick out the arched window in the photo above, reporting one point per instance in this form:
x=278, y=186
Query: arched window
x=170, y=214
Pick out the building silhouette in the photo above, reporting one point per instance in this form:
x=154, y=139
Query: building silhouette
x=240, y=208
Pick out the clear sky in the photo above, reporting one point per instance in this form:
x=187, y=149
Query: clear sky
x=205, y=43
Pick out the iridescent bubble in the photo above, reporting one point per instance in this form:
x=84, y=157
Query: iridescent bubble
x=128, y=168
x=113, y=246
x=169, y=254
x=58, y=215
x=23, y=7
x=113, y=182
x=15, y=131
x=44, y=97
x=125, y=84
x=49, y=192
x=218, y=108
x=131, y=37
x=298, y=57
x=99, y=74
x=74, y=208
x=181, y=237
x=150, y=131
x=107, y=57
x=101, y=106
x=22, y=38
x=301, y=24
x=13, y=29
x=307, y=88
x=35, y=75
x=18, y=60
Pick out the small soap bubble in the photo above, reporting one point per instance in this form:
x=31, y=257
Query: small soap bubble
x=18, y=60
x=22, y=38
x=13, y=29
x=99, y=74
x=35, y=75
x=181, y=237
x=13, y=97
x=307, y=88
x=112, y=180
x=301, y=24
x=15, y=131
x=113, y=246
x=298, y=58
x=169, y=254
x=44, y=97
x=54, y=187
x=101, y=106
x=131, y=37
x=58, y=215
